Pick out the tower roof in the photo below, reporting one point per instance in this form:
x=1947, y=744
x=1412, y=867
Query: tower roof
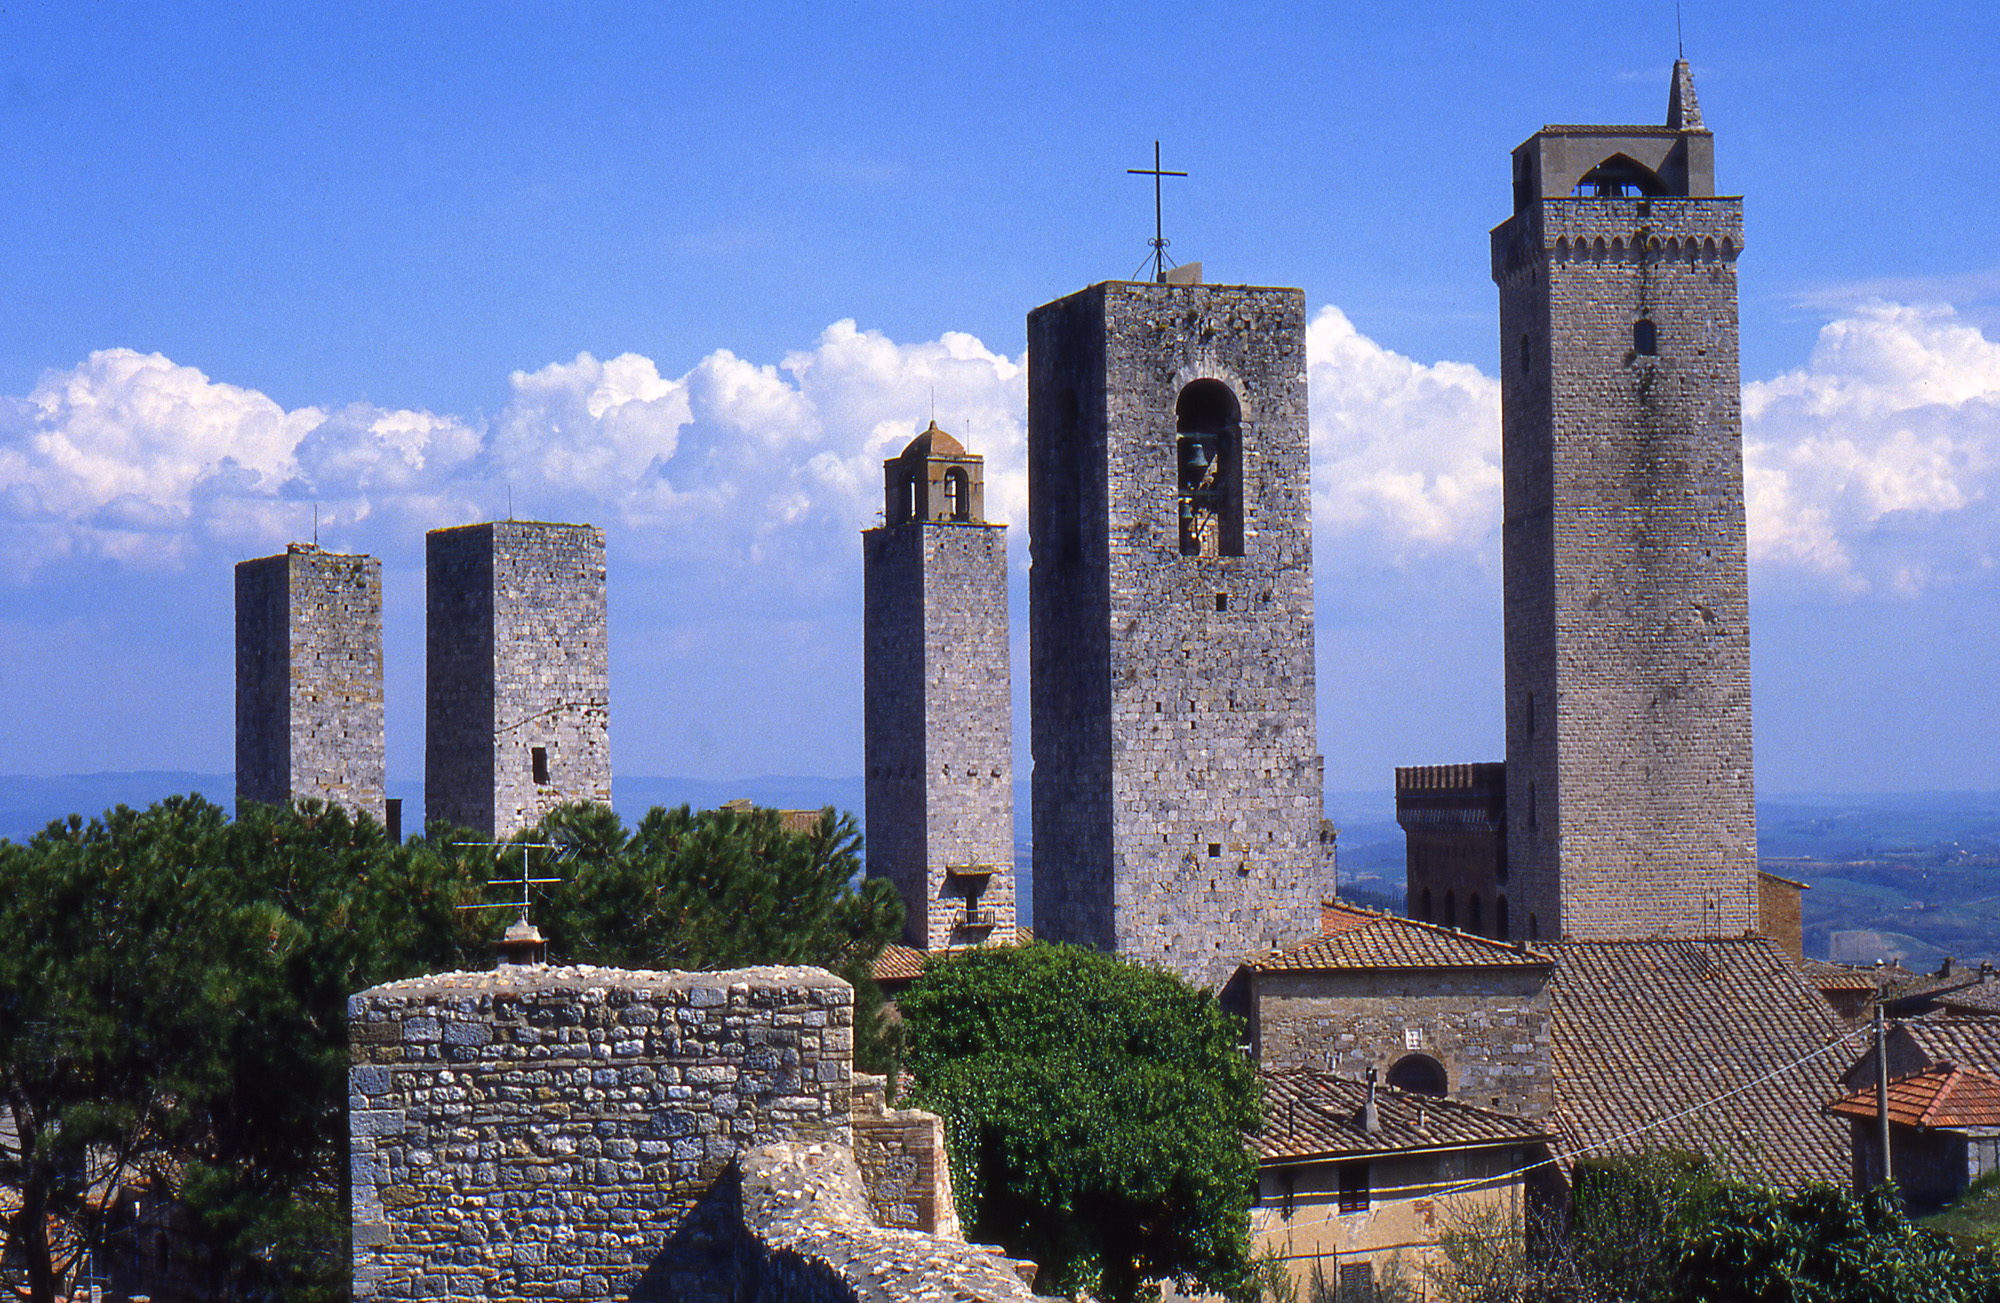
x=1683, y=109
x=933, y=442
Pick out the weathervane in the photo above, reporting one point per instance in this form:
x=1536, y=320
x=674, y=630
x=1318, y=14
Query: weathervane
x=1159, y=239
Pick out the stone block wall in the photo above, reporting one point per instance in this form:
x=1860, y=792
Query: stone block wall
x=545, y=1133
x=939, y=738
x=1488, y=1030
x=1177, y=775
x=517, y=682
x=1630, y=809
x=309, y=679
x=901, y=1157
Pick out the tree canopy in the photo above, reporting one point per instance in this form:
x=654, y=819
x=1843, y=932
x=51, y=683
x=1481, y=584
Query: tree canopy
x=1095, y=1111
x=173, y=997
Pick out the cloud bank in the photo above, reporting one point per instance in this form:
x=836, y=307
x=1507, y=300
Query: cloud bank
x=1871, y=468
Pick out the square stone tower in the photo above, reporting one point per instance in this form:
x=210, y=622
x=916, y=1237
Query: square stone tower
x=1629, y=791
x=939, y=706
x=1177, y=774
x=517, y=676
x=309, y=679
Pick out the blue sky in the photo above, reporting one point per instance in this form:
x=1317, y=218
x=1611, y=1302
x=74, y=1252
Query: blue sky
x=692, y=273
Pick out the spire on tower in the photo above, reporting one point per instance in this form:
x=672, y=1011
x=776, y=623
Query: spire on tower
x=1683, y=109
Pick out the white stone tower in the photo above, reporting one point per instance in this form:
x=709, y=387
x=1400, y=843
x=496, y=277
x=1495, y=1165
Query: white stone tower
x=1177, y=774
x=939, y=707
x=1629, y=787
x=309, y=679
x=517, y=675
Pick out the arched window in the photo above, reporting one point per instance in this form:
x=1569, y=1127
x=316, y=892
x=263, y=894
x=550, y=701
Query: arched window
x=1619, y=177
x=1419, y=1074
x=910, y=496
x=1500, y=918
x=1426, y=907
x=1450, y=918
x=958, y=493
x=1472, y=919
x=1645, y=339
x=1208, y=460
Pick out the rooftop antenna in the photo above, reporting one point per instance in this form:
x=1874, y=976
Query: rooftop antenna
x=1159, y=239
x=523, y=943
x=510, y=502
x=315, y=524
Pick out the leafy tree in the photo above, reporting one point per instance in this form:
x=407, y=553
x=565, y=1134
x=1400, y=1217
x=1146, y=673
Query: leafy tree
x=1095, y=1111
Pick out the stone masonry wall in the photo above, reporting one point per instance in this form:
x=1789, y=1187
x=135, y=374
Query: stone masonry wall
x=1177, y=776
x=1454, y=820
x=544, y=1133
x=940, y=767
x=309, y=679
x=1627, y=608
x=1490, y=1031
x=518, y=665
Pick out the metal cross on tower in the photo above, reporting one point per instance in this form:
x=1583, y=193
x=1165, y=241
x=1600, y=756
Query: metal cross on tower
x=1159, y=240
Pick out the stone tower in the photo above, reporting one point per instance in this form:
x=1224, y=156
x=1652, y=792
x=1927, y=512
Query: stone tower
x=1177, y=775
x=309, y=679
x=517, y=678
x=1629, y=793
x=940, y=711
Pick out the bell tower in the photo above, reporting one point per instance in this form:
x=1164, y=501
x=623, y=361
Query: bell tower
x=1629, y=793
x=1177, y=774
x=939, y=732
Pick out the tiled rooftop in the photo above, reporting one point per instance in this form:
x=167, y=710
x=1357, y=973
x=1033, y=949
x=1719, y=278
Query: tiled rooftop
x=901, y=963
x=1642, y=1030
x=1309, y=1114
x=1361, y=938
x=1839, y=977
x=1944, y=1096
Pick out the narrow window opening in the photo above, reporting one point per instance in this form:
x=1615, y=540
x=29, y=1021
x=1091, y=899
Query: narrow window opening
x=1222, y=601
x=538, y=757
x=1425, y=907
x=1354, y=1187
x=1215, y=850
x=1534, y=929
x=910, y=498
x=958, y=493
x=1645, y=338
x=1473, y=921
x=1450, y=918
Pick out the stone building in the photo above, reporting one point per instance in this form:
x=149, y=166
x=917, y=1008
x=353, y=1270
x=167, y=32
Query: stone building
x=540, y=1133
x=1454, y=820
x=309, y=679
x=939, y=732
x=517, y=677
x=1176, y=767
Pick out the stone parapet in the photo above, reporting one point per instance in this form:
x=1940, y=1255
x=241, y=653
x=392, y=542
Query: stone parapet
x=545, y=1133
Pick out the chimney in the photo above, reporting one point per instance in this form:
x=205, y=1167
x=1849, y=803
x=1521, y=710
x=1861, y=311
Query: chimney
x=1371, y=1120
x=523, y=945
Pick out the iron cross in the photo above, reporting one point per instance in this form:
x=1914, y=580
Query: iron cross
x=1159, y=240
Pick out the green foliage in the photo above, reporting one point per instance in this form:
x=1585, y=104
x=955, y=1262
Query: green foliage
x=1664, y=1228
x=173, y=996
x=1095, y=1111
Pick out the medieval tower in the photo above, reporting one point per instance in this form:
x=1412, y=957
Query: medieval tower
x=517, y=677
x=309, y=679
x=1177, y=775
x=940, y=751
x=1628, y=781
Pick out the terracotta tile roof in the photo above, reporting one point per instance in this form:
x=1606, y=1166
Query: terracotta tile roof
x=901, y=963
x=1642, y=1030
x=1981, y=999
x=898, y=963
x=1310, y=1114
x=1362, y=938
x=1839, y=977
x=1944, y=1096
x=1970, y=1042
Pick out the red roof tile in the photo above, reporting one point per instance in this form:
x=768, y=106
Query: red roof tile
x=1310, y=1114
x=1361, y=938
x=1944, y=1096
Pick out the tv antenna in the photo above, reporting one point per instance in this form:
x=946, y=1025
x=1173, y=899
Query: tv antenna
x=523, y=943
x=1159, y=241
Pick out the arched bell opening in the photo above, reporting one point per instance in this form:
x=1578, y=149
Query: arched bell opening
x=1420, y=1074
x=1208, y=459
x=1620, y=177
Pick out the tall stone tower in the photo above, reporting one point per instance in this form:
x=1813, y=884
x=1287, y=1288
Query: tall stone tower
x=517, y=677
x=309, y=679
x=940, y=711
x=1177, y=775
x=1629, y=791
